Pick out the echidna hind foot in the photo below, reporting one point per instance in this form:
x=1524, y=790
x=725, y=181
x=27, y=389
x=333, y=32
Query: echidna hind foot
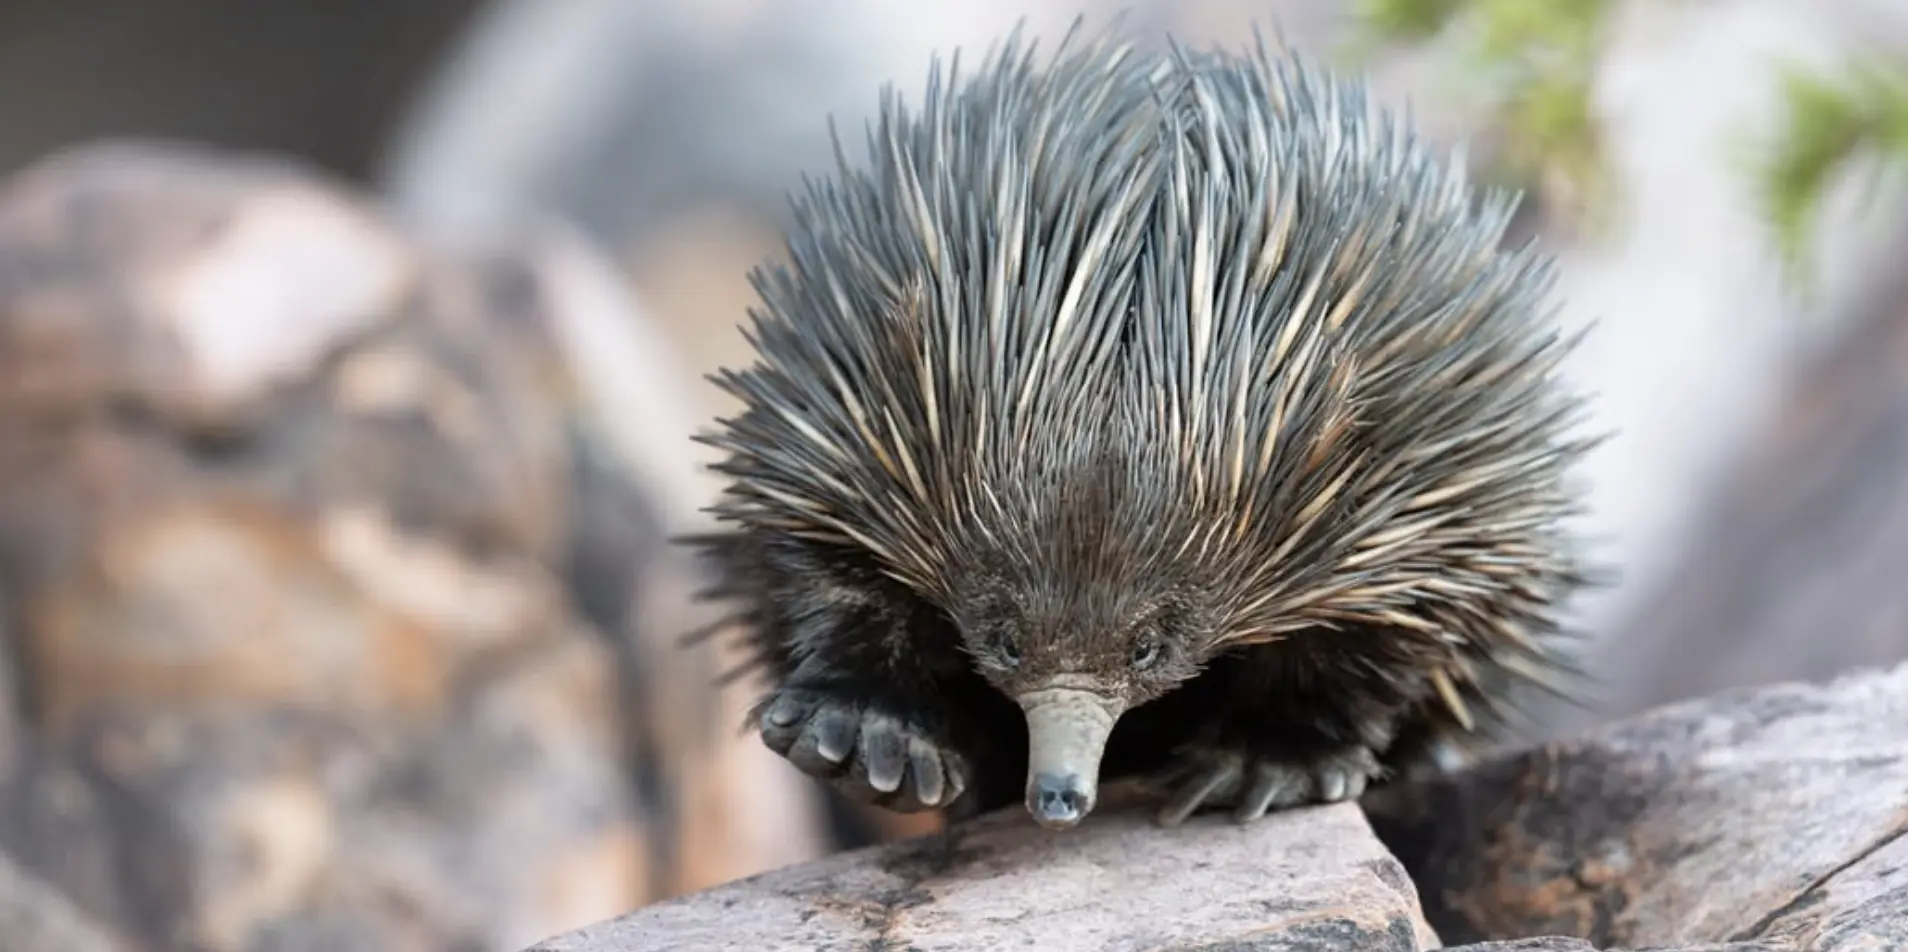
x=1252, y=785
x=867, y=754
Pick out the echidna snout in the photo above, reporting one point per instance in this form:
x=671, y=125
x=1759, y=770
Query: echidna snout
x=1067, y=731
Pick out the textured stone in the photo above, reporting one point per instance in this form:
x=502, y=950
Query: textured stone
x=1545, y=944
x=1771, y=818
x=1562, y=944
x=1312, y=879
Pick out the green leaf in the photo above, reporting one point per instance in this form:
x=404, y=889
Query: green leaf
x=1824, y=124
x=1406, y=20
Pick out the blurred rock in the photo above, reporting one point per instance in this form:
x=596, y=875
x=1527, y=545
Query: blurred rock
x=219, y=71
x=1792, y=570
x=1775, y=818
x=1303, y=880
x=319, y=561
x=37, y=918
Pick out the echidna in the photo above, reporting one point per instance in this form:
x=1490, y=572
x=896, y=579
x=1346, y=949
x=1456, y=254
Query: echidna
x=1171, y=412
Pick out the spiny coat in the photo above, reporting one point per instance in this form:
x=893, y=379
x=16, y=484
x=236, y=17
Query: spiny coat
x=1187, y=382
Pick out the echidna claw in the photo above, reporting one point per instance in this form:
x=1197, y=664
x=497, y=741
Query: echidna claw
x=865, y=753
x=1254, y=785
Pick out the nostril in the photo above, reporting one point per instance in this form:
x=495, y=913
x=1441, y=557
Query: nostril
x=1060, y=801
x=1060, y=797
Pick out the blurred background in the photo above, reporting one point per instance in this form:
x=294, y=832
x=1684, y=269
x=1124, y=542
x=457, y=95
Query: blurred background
x=349, y=355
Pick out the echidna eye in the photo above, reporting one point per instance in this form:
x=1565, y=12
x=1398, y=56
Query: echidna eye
x=1145, y=653
x=1008, y=648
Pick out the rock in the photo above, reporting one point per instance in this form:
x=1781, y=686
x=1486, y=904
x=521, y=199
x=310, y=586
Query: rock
x=1771, y=818
x=37, y=918
x=1545, y=944
x=1791, y=569
x=320, y=561
x=1301, y=880
x=1562, y=944
x=269, y=81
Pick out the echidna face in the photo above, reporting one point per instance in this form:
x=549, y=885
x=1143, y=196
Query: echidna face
x=1126, y=648
x=1075, y=656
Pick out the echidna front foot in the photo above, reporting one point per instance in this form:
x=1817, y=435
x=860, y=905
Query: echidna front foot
x=868, y=754
x=1254, y=785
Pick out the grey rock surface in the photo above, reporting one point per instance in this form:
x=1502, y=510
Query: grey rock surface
x=1313, y=879
x=1557, y=943
x=1768, y=818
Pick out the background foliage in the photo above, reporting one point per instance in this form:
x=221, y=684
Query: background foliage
x=1533, y=65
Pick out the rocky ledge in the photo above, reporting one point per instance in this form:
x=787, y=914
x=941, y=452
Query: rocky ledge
x=1775, y=818
x=1769, y=819
x=1310, y=879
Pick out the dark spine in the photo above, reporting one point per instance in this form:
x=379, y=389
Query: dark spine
x=1309, y=696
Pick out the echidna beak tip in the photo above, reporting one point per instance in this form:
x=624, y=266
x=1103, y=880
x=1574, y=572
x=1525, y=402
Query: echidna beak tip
x=1059, y=802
